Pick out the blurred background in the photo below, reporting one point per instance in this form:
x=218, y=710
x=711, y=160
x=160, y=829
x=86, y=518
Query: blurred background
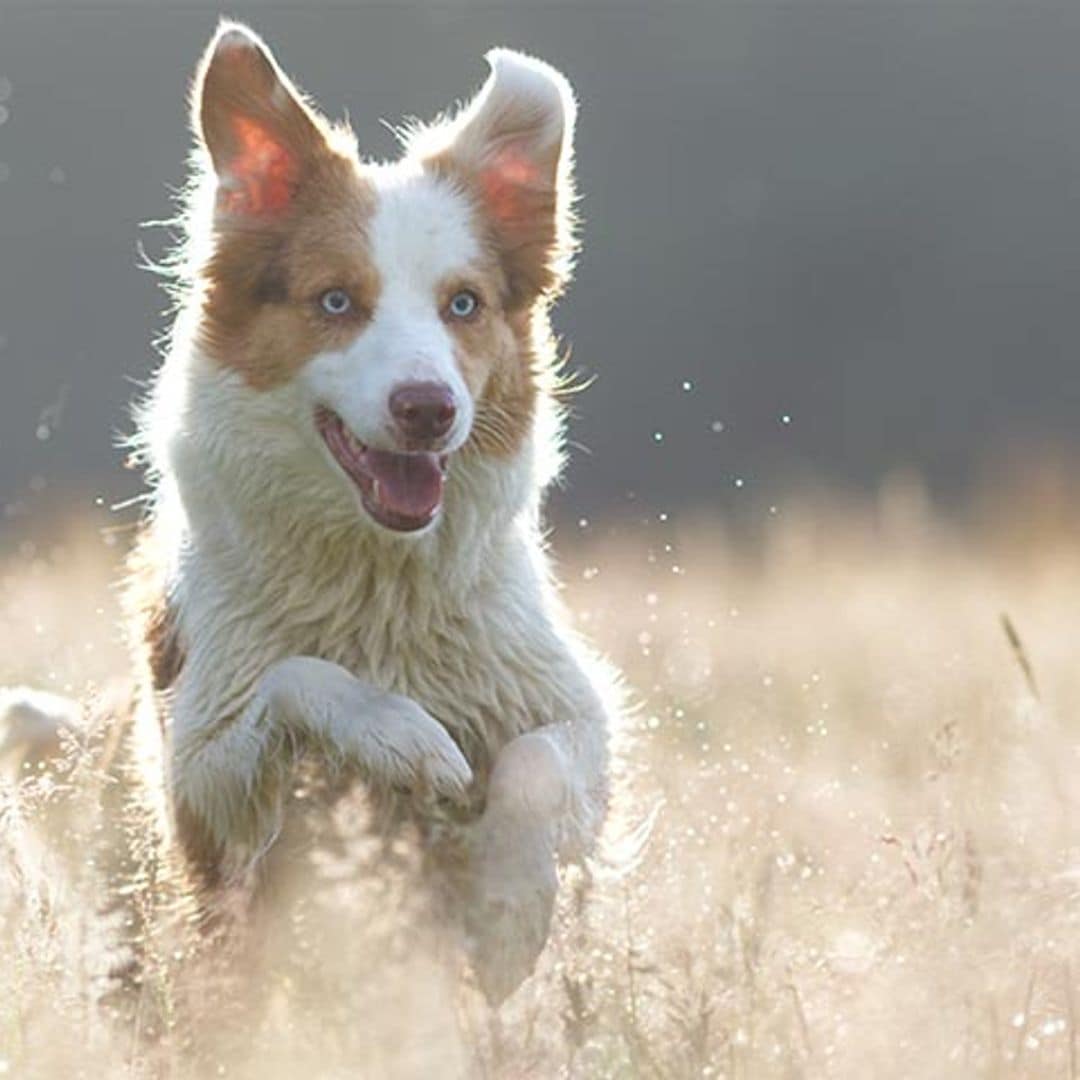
x=827, y=243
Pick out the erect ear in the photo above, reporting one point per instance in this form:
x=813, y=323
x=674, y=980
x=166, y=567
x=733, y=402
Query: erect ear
x=261, y=136
x=513, y=147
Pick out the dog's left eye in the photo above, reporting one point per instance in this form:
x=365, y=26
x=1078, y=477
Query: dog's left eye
x=335, y=302
x=464, y=304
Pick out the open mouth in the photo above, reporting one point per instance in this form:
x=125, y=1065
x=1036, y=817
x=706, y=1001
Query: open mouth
x=401, y=491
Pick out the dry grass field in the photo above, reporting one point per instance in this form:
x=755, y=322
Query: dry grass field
x=864, y=858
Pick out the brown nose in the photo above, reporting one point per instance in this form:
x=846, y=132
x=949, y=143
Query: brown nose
x=423, y=411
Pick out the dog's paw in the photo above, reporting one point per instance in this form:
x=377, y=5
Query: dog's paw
x=509, y=904
x=412, y=749
x=388, y=736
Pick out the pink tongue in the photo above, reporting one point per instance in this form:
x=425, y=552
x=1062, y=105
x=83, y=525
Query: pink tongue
x=409, y=484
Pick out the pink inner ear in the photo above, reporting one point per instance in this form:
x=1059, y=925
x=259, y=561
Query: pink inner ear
x=263, y=173
x=507, y=180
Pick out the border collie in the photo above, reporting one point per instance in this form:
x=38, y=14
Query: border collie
x=347, y=444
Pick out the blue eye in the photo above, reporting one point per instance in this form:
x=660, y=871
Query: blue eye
x=335, y=302
x=464, y=304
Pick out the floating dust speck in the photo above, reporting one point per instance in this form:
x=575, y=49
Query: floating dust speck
x=716, y=426
x=57, y=175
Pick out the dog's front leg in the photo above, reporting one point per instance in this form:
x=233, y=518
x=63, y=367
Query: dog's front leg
x=545, y=801
x=228, y=779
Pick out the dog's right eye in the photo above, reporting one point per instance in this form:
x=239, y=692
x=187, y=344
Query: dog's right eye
x=335, y=302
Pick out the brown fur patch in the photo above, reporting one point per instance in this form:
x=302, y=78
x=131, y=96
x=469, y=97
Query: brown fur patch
x=261, y=315
x=201, y=856
x=527, y=242
x=155, y=637
x=520, y=179
x=505, y=406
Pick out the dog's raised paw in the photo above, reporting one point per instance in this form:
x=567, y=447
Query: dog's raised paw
x=418, y=751
x=509, y=907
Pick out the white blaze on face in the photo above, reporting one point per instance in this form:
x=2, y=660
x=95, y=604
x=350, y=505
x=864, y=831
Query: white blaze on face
x=419, y=237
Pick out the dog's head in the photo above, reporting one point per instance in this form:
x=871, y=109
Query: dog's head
x=389, y=310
